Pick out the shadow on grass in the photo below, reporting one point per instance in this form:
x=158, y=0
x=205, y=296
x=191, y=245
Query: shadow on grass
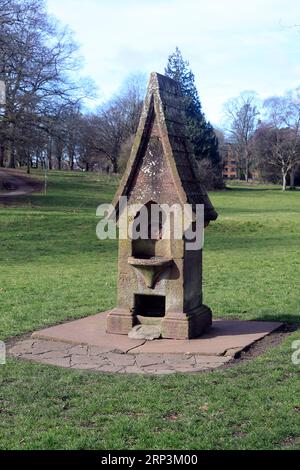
x=225, y=211
x=280, y=317
x=58, y=203
x=261, y=188
x=252, y=242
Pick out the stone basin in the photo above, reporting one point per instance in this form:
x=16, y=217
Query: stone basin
x=150, y=268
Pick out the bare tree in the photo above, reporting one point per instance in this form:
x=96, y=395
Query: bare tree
x=241, y=115
x=283, y=118
x=42, y=118
x=116, y=121
x=37, y=59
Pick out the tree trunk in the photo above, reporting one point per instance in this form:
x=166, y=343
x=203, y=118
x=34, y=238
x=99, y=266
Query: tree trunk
x=284, y=174
x=246, y=167
x=29, y=163
x=292, y=179
x=115, y=166
x=49, y=153
x=8, y=155
x=50, y=163
x=7, y=144
x=72, y=161
x=12, y=162
x=1, y=156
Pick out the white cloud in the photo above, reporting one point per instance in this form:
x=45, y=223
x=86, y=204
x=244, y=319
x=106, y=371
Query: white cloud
x=232, y=45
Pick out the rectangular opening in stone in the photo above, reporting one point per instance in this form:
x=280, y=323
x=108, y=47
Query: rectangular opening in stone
x=150, y=305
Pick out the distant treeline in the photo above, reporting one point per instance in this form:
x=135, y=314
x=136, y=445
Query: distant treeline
x=43, y=121
x=264, y=136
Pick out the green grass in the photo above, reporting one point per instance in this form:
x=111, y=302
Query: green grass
x=252, y=255
x=54, y=268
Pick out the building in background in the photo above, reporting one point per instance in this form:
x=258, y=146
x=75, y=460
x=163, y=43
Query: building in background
x=230, y=164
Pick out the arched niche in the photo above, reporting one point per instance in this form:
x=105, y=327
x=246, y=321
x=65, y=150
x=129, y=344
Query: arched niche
x=151, y=243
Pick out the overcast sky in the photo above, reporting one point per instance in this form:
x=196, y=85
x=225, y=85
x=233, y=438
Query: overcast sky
x=232, y=45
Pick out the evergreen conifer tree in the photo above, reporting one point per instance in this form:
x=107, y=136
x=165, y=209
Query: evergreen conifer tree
x=201, y=132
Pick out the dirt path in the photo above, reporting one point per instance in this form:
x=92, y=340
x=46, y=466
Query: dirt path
x=13, y=183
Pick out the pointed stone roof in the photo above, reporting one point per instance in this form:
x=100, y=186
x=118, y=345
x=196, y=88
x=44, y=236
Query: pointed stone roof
x=164, y=105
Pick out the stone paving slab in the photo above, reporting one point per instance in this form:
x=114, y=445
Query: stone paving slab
x=223, y=336
x=94, y=359
x=89, y=331
x=84, y=344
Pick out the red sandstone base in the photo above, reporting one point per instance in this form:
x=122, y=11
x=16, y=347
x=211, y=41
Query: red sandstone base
x=173, y=325
x=178, y=326
x=225, y=337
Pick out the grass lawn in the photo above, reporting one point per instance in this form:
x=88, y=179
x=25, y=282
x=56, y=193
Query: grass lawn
x=54, y=268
